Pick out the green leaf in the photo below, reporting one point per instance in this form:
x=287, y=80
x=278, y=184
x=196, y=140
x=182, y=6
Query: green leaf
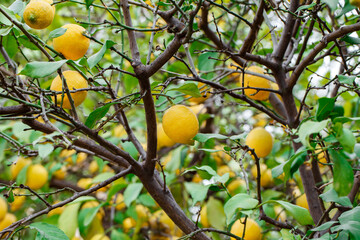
x=351, y=215
x=48, y=231
x=324, y=226
x=88, y=3
x=21, y=177
x=304, y=7
x=45, y=149
x=345, y=119
x=146, y=200
x=5, y=31
x=95, y=59
x=17, y=6
x=351, y=40
x=3, y=19
x=102, y=177
x=286, y=234
x=57, y=33
x=332, y=196
x=310, y=127
x=331, y=3
x=19, y=131
x=203, y=137
x=205, y=63
x=83, y=199
x=68, y=220
x=90, y=215
x=132, y=192
x=197, y=191
x=215, y=213
x=116, y=235
x=353, y=228
x=346, y=79
x=242, y=201
x=343, y=173
x=285, y=167
x=41, y=69
x=300, y=214
x=205, y=172
x=189, y=89
x=325, y=107
x=347, y=140
x=97, y=114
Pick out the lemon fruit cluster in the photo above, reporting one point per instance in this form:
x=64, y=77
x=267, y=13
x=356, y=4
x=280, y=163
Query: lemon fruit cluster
x=74, y=80
x=39, y=14
x=254, y=82
x=252, y=229
x=180, y=124
x=266, y=179
x=260, y=140
x=73, y=44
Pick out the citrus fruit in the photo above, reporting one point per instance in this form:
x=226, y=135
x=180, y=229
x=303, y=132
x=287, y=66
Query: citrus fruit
x=260, y=140
x=92, y=204
x=73, y=44
x=355, y=3
x=142, y=212
x=163, y=139
x=60, y=174
x=236, y=186
x=84, y=183
x=255, y=82
x=203, y=217
x=128, y=223
x=220, y=156
x=3, y=208
x=16, y=167
x=74, y=80
x=56, y=211
x=100, y=237
x=180, y=124
x=18, y=201
x=252, y=231
x=7, y=221
x=300, y=200
x=36, y=176
x=225, y=169
x=266, y=179
x=38, y=14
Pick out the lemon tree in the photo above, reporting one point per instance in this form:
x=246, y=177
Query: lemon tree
x=179, y=119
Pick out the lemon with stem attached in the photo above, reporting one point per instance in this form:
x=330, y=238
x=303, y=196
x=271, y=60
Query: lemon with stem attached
x=38, y=14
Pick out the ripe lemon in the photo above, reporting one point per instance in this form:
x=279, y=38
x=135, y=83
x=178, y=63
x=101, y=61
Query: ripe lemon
x=142, y=212
x=56, y=211
x=252, y=231
x=18, y=201
x=60, y=174
x=120, y=204
x=36, y=176
x=128, y=223
x=203, y=217
x=39, y=14
x=220, y=157
x=7, y=221
x=92, y=204
x=163, y=139
x=100, y=237
x=203, y=91
x=73, y=44
x=84, y=183
x=238, y=185
x=180, y=124
x=16, y=167
x=260, y=140
x=74, y=80
x=255, y=82
x=225, y=169
x=300, y=200
x=266, y=179
x=3, y=208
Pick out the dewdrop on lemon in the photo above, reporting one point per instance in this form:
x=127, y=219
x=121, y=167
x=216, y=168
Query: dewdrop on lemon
x=180, y=124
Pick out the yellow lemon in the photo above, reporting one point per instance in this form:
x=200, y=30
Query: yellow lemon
x=16, y=167
x=7, y=221
x=38, y=14
x=180, y=124
x=142, y=212
x=260, y=140
x=163, y=139
x=119, y=131
x=266, y=179
x=255, y=82
x=220, y=157
x=252, y=231
x=60, y=174
x=18, y=201
x=73, y=44
x=84, y=183
x=3, y=208
x=120, y=204
x=100, y=237
x=93, y=167
x=236, y=186
x=128, y=223
x=92, y=204
x=36, y=176
x=225, y=169
x=204, y=218
x=301, y=201
x=74, y=80
x=56, y=211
